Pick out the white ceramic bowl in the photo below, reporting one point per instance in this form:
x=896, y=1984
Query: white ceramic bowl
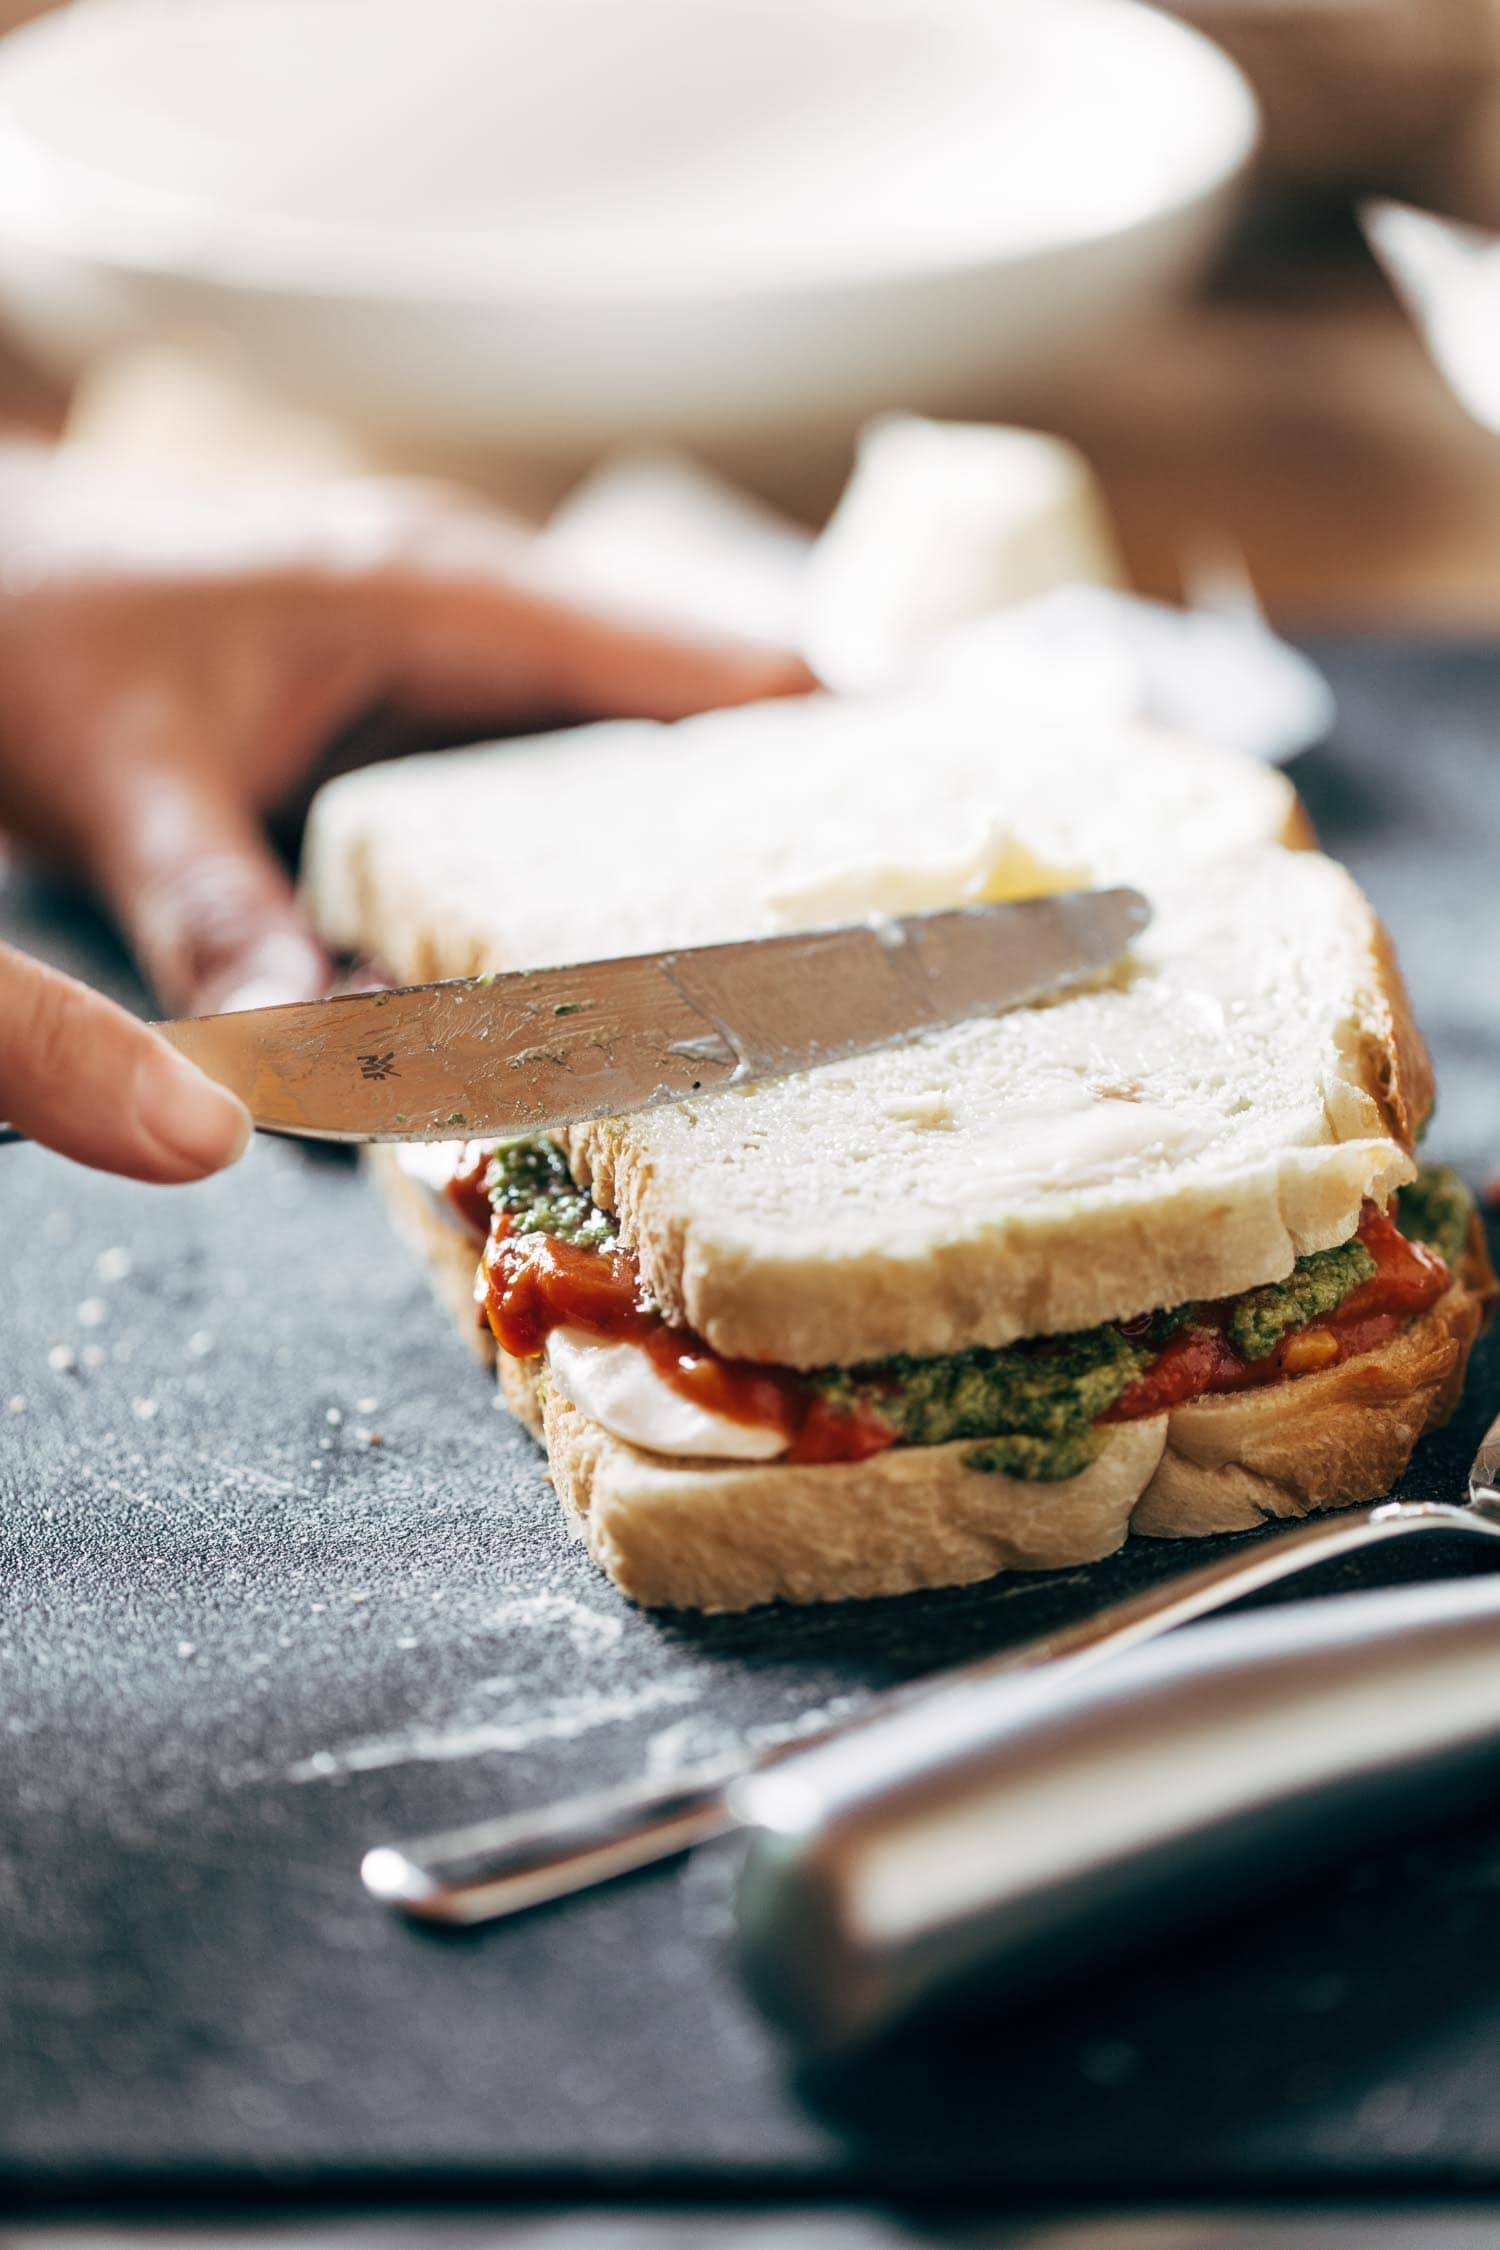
x=554, y=224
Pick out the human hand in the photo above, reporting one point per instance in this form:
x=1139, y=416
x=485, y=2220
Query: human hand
x=170, y=667
x=83, y=1077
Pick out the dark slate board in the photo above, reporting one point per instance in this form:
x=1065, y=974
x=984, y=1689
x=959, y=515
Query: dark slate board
x=240, y=1642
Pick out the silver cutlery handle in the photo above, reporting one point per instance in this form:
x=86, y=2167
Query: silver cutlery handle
x=500, y=1867
x=1031, y=1827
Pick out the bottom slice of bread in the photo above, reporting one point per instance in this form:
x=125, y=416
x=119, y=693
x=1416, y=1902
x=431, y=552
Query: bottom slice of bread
x=697, y=1535
x=714, y=1536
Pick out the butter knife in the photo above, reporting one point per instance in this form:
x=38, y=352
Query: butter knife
x=518, y=1053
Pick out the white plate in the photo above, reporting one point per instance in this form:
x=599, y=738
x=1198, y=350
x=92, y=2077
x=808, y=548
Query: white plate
x=560, y=223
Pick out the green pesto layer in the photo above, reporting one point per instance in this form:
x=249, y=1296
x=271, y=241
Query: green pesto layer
x=1036, y=1404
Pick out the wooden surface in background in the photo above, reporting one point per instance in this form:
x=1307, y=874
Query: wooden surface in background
x=1317, y=437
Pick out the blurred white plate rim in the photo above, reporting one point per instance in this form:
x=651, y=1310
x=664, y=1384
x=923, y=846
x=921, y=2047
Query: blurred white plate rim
x=1196, y=126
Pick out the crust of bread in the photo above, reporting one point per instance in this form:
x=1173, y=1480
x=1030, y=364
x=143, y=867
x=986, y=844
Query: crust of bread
x=1297, y=831
x=1324, y=1441
x=1398, y=1067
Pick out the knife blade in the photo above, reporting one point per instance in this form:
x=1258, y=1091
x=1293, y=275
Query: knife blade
x=518, y=1053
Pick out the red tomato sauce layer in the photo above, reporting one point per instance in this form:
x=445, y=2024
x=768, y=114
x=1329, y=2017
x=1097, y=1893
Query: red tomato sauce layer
x=530, y=1284
x=1408, y=1278
x=533, y=1283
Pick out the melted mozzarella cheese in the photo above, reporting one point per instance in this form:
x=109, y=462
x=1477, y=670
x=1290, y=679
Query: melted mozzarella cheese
x=615, y=1385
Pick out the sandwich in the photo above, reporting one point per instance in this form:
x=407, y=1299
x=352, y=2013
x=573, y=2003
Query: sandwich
x=1154, y=1257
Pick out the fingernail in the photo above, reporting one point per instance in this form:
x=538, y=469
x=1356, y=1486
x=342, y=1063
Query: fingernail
x=199, y=1122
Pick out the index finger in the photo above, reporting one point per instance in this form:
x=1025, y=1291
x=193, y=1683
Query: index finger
x=84, y=1078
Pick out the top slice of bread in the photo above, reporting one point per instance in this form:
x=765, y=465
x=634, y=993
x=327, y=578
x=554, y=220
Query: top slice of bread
x=626, y=836
x=1185, y=1130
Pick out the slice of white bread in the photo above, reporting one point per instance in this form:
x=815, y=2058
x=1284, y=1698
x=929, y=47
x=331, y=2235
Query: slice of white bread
x=1186, y=1129
x=623, y=837
x=701, y=1536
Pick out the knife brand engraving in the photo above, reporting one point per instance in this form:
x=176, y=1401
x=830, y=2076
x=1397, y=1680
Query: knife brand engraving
x=378, y=1066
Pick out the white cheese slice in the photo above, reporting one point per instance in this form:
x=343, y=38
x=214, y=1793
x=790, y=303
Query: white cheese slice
x=615, y=1385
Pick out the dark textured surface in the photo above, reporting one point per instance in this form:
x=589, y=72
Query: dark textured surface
x=240, y=1641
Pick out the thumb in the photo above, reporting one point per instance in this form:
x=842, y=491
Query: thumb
x=84, y=1078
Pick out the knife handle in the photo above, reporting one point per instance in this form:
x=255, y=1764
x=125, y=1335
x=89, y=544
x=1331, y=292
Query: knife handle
x=1004, y=1838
